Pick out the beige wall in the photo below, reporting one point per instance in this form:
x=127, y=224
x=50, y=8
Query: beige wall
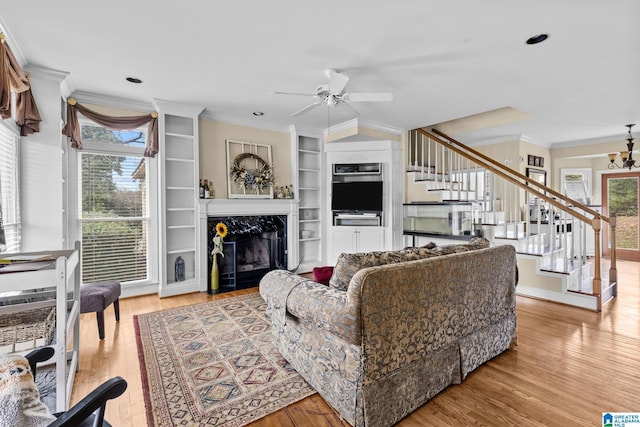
x=526, y=149
x=213, y=155
x=592, y=156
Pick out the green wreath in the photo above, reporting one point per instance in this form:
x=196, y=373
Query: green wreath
x=252, y=179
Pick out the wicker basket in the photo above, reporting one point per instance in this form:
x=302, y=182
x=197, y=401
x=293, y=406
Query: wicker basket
x=27, y=329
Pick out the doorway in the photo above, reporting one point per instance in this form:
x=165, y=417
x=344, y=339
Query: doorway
x=620, y=195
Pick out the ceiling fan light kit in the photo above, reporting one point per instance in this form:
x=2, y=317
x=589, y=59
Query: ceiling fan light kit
x=333, y=93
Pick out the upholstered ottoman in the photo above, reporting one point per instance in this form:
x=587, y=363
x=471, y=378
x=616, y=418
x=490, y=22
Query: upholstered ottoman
x=96, y=297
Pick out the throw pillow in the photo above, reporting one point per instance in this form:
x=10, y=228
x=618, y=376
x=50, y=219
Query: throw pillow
x=20, y=403
x=322, y=274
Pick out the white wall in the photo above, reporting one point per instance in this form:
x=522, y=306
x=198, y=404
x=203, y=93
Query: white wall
x=41, y=168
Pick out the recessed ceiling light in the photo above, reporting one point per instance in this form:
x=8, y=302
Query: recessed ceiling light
x=537, y=39
x=258, y=113
x=134, y=80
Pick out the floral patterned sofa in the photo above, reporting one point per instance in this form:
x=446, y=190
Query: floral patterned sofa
x=395, y=328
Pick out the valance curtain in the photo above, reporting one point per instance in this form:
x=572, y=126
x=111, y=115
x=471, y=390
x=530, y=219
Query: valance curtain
x=72, y=128
x=14, y=79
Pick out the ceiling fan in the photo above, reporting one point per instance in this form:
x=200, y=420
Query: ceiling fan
x=333, y=93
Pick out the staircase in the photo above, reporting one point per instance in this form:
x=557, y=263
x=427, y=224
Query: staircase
x=557, y=239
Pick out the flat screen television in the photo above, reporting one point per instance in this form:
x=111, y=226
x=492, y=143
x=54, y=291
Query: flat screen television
x=356, y=196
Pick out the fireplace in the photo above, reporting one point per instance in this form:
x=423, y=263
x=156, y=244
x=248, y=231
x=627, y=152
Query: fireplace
x=253, y=246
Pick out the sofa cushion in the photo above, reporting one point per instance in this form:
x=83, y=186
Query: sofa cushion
x=349, y=264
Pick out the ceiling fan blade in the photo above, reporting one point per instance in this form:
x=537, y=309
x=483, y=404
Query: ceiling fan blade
x=337, y=81
x=307, y=108
x=293, y=93
x=369, y=96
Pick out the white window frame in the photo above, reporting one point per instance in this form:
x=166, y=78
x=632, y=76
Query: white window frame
x=73, y=188
x=11, y=129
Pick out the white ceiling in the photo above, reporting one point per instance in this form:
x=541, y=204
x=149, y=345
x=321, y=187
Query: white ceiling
x=443, y=60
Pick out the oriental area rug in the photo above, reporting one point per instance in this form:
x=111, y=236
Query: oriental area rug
x=213, y=364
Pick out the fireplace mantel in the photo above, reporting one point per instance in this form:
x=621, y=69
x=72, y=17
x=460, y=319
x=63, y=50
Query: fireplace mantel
x=219, y=207
x=248, y=207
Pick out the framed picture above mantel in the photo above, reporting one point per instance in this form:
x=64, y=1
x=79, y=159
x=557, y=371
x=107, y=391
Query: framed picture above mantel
x=250, y=172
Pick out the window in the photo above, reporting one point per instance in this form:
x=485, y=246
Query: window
x=10, y=225
x=113, y=205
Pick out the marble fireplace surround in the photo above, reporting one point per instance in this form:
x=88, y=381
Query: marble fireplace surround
x=247, y=207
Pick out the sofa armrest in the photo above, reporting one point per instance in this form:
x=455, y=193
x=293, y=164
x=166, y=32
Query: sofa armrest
x=328, y=308
x=275, y=288
x=309, y=301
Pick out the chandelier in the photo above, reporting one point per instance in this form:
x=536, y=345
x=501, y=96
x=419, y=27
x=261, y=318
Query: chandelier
x=626, y=156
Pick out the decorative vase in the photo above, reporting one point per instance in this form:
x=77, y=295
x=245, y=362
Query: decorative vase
x=215, y=276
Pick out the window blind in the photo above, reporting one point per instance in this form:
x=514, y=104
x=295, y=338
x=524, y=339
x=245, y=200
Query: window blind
x=114, y=217
x=9, y=191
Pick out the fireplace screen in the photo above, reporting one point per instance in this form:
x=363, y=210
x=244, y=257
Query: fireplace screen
x=254, y=246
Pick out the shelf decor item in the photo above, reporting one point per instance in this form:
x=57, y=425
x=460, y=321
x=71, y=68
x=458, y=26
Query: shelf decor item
x=254, y=180
x=179, y=269
x=218, y=240
x=251, y=172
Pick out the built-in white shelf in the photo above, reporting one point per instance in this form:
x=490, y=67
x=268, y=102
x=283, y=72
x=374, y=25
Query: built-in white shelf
x=175, y=159
x=181, y=251
x=179, y=135
x=179, y=168
x=308, y=157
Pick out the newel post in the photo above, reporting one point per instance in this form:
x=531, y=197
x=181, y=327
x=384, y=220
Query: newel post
x=613, y=270
x=596, y=223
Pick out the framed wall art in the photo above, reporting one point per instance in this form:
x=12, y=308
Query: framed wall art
x=250, y=170
x=535, y=161
x=576, y=184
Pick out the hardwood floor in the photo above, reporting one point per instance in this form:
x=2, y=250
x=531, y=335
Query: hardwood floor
x=570, y=365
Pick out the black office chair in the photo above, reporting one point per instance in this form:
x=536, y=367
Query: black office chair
x=90, y=410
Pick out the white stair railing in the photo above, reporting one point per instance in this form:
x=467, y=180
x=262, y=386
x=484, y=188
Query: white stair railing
x=465, y=174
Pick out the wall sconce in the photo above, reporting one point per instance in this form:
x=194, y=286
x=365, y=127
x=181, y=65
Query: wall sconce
x=625, y=156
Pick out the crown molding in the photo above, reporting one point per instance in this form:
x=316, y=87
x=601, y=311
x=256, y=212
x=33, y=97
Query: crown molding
x=525, y=138
x=46, y=73
x=312, y=132
x=241, y=121
x=355, y=129
x=49, y=74
x=381, y=127
x=356, y=123
x=112, y=101
x=591, y=141
x=502, y=139
x=178, y=108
